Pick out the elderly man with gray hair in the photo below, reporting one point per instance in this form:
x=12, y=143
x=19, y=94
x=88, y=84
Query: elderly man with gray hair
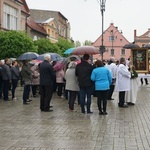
x=47, y=76
x=122, y=81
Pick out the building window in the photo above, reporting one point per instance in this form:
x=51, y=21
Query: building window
x=49, y=31
x=112, y=52
x=59, y=31
x=53, y=34
x=63, y=32
x=123, y=52
x=111, y=38
x=10, y=17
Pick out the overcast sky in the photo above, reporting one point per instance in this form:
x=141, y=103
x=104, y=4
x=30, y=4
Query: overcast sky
x=85, y=16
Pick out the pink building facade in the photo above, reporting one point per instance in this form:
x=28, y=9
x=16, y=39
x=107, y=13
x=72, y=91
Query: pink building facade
x=113, y=42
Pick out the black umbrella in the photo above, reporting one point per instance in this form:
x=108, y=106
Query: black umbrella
x=147, y=46
x=130, y=46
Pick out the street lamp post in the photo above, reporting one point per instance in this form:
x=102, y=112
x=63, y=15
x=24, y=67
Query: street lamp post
x=102, y=9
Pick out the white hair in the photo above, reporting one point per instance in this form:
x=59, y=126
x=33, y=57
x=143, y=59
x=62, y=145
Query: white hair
x=112, y=59
x=2, y=61
x=47, y=57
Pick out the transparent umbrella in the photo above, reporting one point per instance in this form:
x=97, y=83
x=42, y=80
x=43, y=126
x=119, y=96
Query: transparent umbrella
x=28, y=56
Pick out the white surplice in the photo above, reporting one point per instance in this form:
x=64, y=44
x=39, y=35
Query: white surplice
x=131, y=95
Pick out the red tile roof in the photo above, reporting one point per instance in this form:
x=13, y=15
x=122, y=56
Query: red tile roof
x=24, y=7
x=33, y=25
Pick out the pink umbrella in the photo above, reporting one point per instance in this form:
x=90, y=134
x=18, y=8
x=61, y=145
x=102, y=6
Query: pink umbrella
x=58, y=66
x=85, y=50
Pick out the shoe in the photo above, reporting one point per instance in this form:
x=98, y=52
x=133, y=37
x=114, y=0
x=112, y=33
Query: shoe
x=110, y=99
x=124, y=106
x=62, y=97
x=50, y=110
x=50, y=106
x=130, y=103
x=83, y=112
x=89, y=112
x=72, y=110
x=7, y=99
x=15, y=98
x=29, y=100
x=105, y=113
x=25, y=103
x=100, y=113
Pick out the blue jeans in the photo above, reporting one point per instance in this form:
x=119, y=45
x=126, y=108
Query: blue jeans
x=85, y=91
x=26, y=92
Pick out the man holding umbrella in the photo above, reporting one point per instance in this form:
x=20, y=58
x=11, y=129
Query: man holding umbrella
x=83, y=72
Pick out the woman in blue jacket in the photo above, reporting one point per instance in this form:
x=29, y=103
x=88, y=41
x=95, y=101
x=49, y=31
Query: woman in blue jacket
x=102, y=78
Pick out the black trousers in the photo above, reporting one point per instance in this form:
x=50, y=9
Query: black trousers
x=14, y=85
x=146, y=81
x=46, y=92
x=1, y=88
x=72, y=98
x=102, y=97
x=121, y=98
x=60, y=87
x=34, y=89
x=110, y=91
x=5, y=89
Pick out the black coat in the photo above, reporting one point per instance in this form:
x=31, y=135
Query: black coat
x=83, y=72
x=47, y=74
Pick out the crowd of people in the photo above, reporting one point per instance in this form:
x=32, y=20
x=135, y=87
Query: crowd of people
x=72, y=81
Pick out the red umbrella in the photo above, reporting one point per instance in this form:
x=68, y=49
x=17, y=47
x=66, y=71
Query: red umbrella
x=85, y=50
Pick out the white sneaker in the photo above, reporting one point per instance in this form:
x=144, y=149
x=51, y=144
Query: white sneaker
x=62, y=97
x=15, y=98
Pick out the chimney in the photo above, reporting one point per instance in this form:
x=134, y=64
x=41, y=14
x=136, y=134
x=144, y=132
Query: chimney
x=134, y=34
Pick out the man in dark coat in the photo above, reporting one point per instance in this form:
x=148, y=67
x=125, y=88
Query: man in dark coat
x=6, y=73
x=83, y=72
x=26, y=78
x=47, y=76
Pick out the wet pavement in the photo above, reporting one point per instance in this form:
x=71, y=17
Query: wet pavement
x=25, y=127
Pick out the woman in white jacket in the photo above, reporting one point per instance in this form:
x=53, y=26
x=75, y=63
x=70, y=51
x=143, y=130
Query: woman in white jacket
x=71, y=84
x=122, y=81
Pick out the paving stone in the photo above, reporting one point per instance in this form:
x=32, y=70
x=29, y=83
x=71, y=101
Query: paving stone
x=27, y=128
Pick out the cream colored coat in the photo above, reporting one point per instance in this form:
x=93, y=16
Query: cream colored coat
x=123, y=78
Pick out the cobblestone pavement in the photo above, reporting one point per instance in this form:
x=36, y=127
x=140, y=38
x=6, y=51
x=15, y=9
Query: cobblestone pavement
x=25, y=127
